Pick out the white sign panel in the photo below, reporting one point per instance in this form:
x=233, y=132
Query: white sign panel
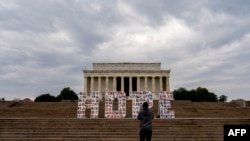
x=109, y=98
x=165, y=105
x=85, y=102
x=138, y=99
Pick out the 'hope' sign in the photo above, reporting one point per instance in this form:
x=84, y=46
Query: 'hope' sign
x=92, y=102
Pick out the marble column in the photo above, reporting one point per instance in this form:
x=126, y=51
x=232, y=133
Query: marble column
x=138, y=84
x=92, y=84
x=146, y=83
x=153, y=84
x=114, y=84
x=99, y=84
x=161, y=88
x=122, y=84
x=107, y=84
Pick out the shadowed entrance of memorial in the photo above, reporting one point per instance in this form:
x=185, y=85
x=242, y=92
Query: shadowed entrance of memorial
x=126, y=85
x=118, y=84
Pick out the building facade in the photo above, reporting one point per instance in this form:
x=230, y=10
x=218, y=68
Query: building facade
x=127, y=77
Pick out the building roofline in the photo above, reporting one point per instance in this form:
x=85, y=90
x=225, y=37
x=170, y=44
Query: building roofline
x=122, y=71
x=128, y=63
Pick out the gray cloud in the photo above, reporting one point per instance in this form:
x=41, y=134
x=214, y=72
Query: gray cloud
x=45, y=45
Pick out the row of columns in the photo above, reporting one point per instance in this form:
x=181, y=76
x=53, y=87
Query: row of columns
x=122, y=83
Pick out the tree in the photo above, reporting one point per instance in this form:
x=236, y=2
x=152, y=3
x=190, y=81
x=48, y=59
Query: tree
x=181, y=94
x=223, y=98
x=195, y=95
x=67, y=94
x=202, y=94
x=45, y=98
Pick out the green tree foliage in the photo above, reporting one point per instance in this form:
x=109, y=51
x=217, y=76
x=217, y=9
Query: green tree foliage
x=67, y=94
x=195, y=95
x=181, y=94
x=46, y=98
x=223, y=98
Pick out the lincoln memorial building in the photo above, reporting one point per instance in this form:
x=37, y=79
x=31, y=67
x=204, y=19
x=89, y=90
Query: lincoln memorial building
x=127, y=77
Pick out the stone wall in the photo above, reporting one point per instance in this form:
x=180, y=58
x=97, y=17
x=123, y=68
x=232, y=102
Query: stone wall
x=240, y=102
x=127, y=66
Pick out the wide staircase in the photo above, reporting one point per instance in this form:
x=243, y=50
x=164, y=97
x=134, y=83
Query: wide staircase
x=58, y=122
x=186, y=129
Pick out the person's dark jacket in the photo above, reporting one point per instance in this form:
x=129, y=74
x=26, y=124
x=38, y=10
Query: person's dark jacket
x=145, y=116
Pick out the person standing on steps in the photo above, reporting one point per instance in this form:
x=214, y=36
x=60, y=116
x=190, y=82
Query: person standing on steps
x=145, y=116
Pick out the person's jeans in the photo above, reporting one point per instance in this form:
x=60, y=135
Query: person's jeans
x=146, y=134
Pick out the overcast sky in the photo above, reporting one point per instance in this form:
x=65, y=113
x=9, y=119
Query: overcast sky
x=45, y=45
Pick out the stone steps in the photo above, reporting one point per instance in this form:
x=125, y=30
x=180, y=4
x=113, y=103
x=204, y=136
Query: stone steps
x=183, y=129
x=58, y=123
x=69, y=109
